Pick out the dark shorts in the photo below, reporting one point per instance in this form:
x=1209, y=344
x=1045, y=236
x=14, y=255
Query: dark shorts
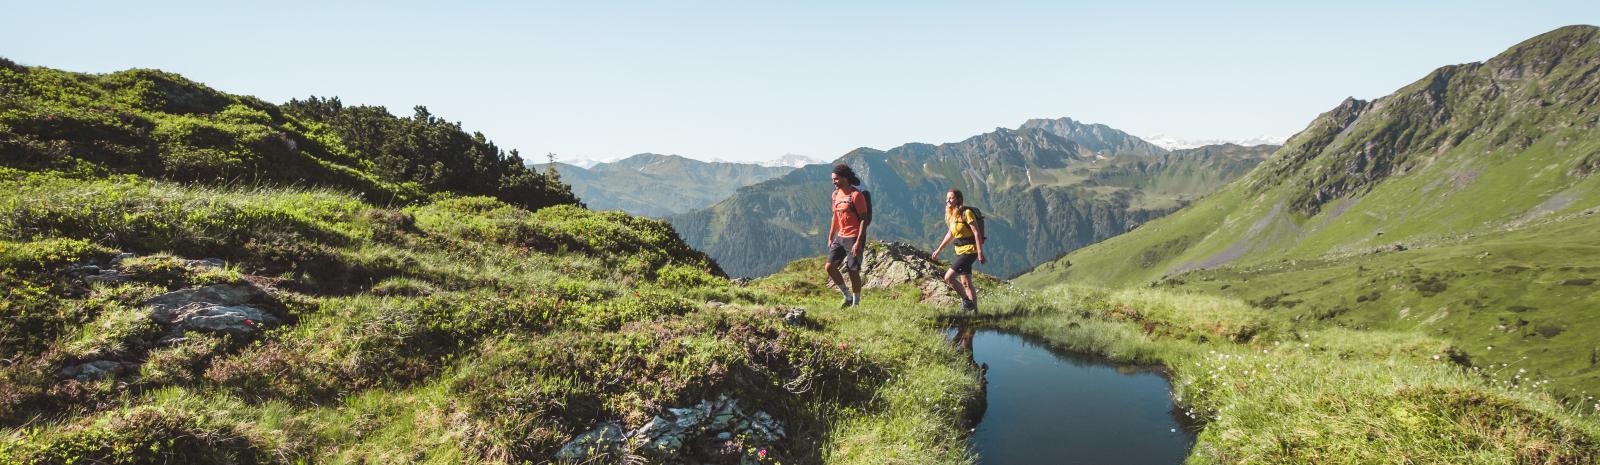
x=963, y=264
x=842, y=246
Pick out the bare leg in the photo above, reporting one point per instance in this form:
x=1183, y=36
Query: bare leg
x=855, y=283
x=950, y=278
x=834, y=277
x=967, y=289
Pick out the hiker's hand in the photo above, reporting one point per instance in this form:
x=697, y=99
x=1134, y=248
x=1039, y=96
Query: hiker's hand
x=857, y=250
x=981, y=259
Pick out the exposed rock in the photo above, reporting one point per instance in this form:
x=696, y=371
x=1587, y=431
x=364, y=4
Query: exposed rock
x=608, y=438
x=717, y=429
x=895, y=263
x=94, y=370
x=219, y=308
x=93, y=274
x=795, y=316
x=206, y=263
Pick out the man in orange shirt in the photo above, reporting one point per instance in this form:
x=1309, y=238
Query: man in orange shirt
x=847, y=233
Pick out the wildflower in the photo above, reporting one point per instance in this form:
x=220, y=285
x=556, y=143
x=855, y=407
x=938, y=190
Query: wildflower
x=762, y=454
x=249, y=322
x=1435, y=356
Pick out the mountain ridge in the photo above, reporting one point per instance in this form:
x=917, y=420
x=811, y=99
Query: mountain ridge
x=1022, y=178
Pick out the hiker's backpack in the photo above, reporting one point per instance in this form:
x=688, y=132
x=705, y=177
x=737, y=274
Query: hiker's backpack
x=977, y=222
x=866, y=195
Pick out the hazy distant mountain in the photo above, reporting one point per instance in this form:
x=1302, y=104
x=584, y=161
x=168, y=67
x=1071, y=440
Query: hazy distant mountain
x=792, y=161
x=660, y=185
x=1174, y=143
x=1044, y=194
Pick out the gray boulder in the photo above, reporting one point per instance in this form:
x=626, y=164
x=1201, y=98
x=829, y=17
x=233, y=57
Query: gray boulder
x=220, y=308
x=94, y=370
x=895, y=263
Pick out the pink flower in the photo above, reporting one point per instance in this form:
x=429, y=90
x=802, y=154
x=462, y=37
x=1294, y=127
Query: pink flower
x=762, y=454
x=249, y=322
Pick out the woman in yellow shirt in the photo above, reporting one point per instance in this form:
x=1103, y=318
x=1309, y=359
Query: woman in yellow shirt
x=968, y=239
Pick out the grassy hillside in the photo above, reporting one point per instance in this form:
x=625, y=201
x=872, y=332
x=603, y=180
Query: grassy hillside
x=463, y=330
x=403, y=293
x=1462, y=206
x=161, y=125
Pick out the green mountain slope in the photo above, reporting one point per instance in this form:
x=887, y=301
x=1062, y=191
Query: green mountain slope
x=1043, y=194
x=1461, y=205
x=661, y=185
x=160, y=125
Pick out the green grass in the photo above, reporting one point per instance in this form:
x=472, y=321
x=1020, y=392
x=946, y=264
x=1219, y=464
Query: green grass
x=1285, y=395
x=462, y=330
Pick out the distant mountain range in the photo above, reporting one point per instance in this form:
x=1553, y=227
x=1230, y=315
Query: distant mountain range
x=790, y=160
x=1463, y=205
x=1047, y=187
x=661, y=185
x=1174, y=143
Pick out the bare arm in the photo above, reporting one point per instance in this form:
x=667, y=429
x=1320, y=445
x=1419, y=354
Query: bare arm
x=861, y=238
x=977, y=241
x=942, y=243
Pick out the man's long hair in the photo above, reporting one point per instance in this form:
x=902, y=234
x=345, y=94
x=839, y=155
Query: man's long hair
x=848, y=174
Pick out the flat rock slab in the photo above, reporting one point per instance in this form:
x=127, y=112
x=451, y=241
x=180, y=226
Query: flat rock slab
x=219, y=308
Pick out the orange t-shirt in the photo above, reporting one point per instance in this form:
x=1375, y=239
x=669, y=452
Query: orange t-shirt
x=844, y=219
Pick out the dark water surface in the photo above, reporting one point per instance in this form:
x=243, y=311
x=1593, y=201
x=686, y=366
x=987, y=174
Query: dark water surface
x=1049, y=407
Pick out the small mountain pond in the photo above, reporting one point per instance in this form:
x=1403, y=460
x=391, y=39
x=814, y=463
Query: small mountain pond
x=1051, y=407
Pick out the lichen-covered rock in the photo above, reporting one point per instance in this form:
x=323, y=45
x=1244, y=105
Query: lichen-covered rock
x=711, y=430
x=220, y=308
x=896, y=263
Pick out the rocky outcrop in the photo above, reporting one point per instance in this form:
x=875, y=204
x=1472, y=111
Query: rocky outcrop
x=890, y=264
x=714, y=431
x=220, y=308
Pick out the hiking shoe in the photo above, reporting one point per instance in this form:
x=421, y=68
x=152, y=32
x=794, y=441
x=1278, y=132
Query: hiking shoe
x=967, y=306
x=847, y=303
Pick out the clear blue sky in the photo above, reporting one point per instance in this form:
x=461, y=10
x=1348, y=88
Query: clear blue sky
x=746, y=80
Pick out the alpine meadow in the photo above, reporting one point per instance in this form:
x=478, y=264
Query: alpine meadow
x=193, y=275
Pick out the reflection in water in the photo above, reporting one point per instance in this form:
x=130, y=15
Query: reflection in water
x=1044, y=406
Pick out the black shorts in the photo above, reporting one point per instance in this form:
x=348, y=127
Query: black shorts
x=841, y=248
x=963, y=264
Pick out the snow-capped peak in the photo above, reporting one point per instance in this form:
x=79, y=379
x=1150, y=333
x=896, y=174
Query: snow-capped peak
x=791, y=160
x=1174, y=143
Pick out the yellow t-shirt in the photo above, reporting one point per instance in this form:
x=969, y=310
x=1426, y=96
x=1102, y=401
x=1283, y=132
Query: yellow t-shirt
x=961, y=228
